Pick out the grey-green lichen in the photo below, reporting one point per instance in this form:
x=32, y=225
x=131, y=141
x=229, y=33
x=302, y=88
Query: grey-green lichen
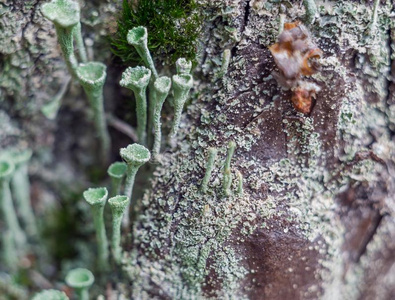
x=300, y=186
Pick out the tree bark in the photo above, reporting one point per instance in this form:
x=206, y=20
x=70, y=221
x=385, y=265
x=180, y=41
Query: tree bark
x=316, y=219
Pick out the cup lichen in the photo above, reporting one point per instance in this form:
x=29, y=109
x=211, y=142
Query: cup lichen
x=20, y=186
x=212, y=154
x=138, y=37
x=137, y=80
x=227, y=180
x=7, y=169
x=117, y=172
x=96, y=198
x=161, y=90
x=183, y=66
x=80, y=280
x=135, y=156
x=92, y=77
x=50, y=295
x=118, y=206
x=65, y=14
x=181, y=87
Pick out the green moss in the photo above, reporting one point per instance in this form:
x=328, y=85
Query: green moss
x=173, y=26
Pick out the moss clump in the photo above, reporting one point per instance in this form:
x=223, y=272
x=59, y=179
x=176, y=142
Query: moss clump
x=173, y=26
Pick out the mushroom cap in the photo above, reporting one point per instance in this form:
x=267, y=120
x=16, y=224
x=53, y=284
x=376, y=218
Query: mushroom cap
x=135, y=155
x=80, y=278
x=96, y=196
x=117, y=169
x=136, y=78
x=65, y=13
x=91, y=74
x=137, y=36
x=6, y=169
x=118, y=203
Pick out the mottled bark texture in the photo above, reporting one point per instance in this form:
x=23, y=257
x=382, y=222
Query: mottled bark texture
x=316, y=220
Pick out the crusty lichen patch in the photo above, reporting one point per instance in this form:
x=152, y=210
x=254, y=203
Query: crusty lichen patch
x=293, y=166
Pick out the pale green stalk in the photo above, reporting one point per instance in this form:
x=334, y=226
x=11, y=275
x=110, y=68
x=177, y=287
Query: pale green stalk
x=240, y=189
x=65, y=14
x=118, y=205
x=50, y=110
x=161, y=90
x=80, y=43
x=21, y=189
x=9, y=214
x=138, y=38
x=9, y=251
x=117, y=172
x=181, y=87
x=92, y=77
x=225, y=63
x=212, y=154
x=227, y=181
x=96, y=198
x=137, y=80
x=135, y=156
x=80, y=280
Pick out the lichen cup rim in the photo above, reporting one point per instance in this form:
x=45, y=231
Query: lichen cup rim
x=135, y=154
x=117, y=169
x=20, y=156
x=96, y=196
x=183, y=80
x=119, y=201
x=74, y=277
x=137, y=35
x=163, y=84
x=56, y=12
x=183, y=64
x=87, y=77
x=6, y=169
x=137, y=77
x=50, y=294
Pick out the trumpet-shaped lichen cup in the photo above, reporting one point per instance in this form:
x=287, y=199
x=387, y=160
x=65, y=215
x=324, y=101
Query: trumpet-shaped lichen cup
x=137, y=80
x=118, y=205
x=92, y=77
x=96, y=198
x=135, y=156
x=80, y=280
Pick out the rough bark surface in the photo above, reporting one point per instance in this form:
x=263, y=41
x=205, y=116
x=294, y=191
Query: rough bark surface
x=316, y=219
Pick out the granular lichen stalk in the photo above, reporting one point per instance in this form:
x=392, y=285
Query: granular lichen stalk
x=21, y=189
x=92, y=77
x=181, y=87
x=161, y=90
x=135, y=156
x=7, y=169
x=137, y=80
x=117, y=172
x=119, y=205
x=227, y=180
x=212, y=154
x=65, y=14
x=96, y=198
x=137, y=37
